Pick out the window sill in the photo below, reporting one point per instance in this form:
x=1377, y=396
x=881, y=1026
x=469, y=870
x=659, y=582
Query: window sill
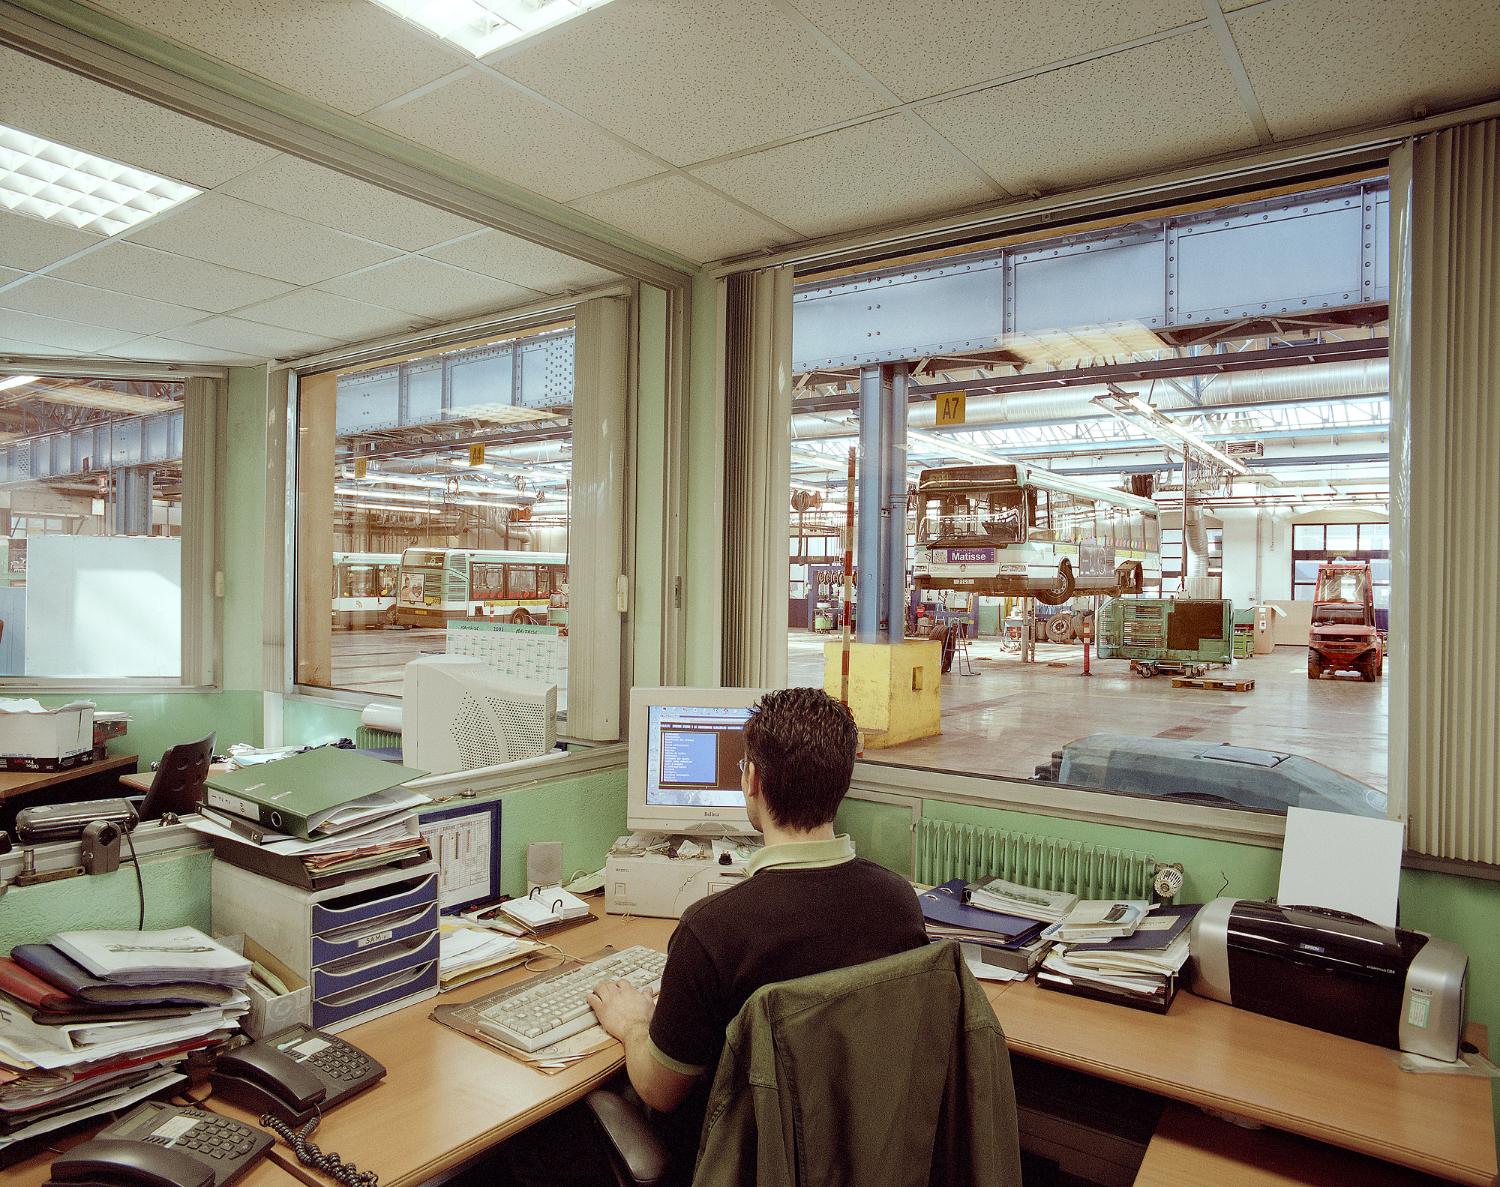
x=11, y=685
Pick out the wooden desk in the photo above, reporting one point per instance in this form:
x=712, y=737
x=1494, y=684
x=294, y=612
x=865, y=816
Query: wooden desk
x=1331, y=1089
x=271, y=1171
x=14, y=784
x=95, y=780
x=1192, y=1149
x=446, y=1097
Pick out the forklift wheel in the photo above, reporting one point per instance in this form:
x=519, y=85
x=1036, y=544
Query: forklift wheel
x=1314, y=667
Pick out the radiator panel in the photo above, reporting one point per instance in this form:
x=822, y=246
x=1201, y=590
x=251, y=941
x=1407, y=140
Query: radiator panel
x=945, y=850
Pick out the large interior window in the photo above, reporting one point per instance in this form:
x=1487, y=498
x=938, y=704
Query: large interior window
x=92, y=491
x=433, y=508
x=1149, y=436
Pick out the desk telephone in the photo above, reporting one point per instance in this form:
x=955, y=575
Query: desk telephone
x=289, y=1079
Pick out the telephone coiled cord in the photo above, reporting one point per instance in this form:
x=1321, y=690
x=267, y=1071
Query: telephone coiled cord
x=310, y=1154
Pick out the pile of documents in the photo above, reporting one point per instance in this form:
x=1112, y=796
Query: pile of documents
x=467, y=952
x=996, y=946
x=1125, y=952
x=314, y=816
x=92, y=1021
x=545, y=909
x=1011, y=898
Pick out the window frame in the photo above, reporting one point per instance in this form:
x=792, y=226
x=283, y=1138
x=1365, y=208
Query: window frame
x=1326, y=554
x=516, y=321
x=204, y=457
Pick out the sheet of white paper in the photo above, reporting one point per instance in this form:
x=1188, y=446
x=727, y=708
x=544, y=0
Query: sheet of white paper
x=1346, y=863
x=463, y=847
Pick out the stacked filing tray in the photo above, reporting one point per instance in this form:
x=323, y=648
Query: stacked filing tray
x=366, y=947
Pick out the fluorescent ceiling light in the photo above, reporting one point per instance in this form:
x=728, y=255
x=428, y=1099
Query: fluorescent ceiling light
x=1164, y=428
x=956, y=448
x=59, y=184
x=483, y=26
x=16, y=381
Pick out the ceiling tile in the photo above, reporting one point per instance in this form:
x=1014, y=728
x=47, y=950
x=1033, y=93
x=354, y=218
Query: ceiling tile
x=164, y=350
x=48, y=101
x=31, y=349
x=428, y=289
x=681, y=216
x=1125, y=114
x=251, y=338
x=926, y=47
x=871, y=173
x=506, y=257
x=30, y=243
x=95, y=307
x=126, y=267
x=320, y=195
x=480, y=120
x=9, y=274
x=237, y=234
x=693, y=81
x=328, y=316
x=350, y=54
x=1324, y=64
x=49, y=331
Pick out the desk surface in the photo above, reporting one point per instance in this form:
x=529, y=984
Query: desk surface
x=13, y=783
x=1325, y=1087
x=141, y=780
x=446, y=1097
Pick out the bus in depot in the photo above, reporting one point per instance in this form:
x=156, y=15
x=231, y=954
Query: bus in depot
x=1016, y=530
x=364, y=588
x=440, y=584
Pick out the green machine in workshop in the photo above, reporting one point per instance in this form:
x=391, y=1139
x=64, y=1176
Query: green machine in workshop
x=1160, y=634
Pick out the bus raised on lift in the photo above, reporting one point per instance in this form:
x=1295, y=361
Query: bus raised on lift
x=1015, y=530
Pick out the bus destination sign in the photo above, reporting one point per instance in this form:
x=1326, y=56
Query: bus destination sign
x=971, y=556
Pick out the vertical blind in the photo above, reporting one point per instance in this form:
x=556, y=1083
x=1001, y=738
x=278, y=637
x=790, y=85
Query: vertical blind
x=757, y=469
x=1446, y=493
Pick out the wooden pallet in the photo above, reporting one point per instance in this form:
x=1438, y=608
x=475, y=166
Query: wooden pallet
x=1214, y=684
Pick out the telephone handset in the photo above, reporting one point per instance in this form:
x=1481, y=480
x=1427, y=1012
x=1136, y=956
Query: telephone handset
x=295, y=1074
x=160, y=1145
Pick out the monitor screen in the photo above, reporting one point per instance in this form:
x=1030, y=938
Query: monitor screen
x=693, y=755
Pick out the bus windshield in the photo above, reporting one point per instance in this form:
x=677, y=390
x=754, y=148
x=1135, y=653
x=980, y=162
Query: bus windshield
x=973, y=517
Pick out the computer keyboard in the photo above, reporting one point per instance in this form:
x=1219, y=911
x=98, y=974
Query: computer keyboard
x=556, y=1006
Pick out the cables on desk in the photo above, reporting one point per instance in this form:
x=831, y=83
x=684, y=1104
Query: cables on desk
x=309, y=1154
x=140, y=883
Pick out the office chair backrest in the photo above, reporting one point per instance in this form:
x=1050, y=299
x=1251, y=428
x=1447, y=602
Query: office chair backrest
x=178, y=786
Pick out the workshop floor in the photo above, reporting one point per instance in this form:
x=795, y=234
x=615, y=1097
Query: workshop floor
x=1010, y=716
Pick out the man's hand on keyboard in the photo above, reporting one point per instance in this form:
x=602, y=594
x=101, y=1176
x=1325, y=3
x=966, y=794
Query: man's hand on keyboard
x=620, y=1007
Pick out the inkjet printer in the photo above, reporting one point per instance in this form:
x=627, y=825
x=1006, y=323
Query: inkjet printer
x=1333, y=972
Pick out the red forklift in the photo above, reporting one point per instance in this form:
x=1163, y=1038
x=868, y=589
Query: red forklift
x=1343, y=637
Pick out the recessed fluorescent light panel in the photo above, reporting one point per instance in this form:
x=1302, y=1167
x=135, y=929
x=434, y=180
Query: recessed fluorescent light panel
x=483, y=26
x=51, y=181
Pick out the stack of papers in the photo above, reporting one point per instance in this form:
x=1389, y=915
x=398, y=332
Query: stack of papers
x=93, y=1021
x=1140, y=969
x=1099, y=919
x=315, y=816
x=1011, y=898
x=467, y=953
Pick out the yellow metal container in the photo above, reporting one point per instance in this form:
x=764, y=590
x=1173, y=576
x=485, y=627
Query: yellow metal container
x=894, y=688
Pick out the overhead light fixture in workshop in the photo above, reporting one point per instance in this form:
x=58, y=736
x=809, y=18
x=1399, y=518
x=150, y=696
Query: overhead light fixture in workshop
x=483, y=26
x=955, y=448
x=1136, y=412
x=58, y=184
x=11, y=381
x=1127, y=340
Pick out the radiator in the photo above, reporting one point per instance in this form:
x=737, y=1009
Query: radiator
x=370, y=739
x=945, y=851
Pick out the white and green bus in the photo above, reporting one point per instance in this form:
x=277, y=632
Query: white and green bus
x=439, y=584
x=1015, y=530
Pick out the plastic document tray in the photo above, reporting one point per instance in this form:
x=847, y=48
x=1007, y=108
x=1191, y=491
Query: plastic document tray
x=365, y=947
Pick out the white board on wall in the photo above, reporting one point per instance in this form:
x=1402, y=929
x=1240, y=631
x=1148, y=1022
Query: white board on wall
x=104, y=606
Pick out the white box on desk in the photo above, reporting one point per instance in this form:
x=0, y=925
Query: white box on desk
x=664, y=887
x=271, y=1013
x=55, y=738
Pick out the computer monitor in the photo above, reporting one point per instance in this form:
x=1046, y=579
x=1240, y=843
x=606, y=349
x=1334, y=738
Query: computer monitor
x=459, y=714
x=685, y=750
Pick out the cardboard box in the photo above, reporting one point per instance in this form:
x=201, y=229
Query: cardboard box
x=270, y=1014
x=50, y=740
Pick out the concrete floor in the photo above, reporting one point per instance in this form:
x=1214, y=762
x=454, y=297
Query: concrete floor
x=372, y=661
x=1010, y=717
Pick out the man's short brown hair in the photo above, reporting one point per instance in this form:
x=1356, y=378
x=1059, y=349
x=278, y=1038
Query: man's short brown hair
x=802, y=743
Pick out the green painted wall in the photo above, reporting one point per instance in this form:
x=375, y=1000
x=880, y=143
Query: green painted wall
x=161, y=720
x=306, y=722
x=176, y=896
x=586, y=814
x=1463, y=910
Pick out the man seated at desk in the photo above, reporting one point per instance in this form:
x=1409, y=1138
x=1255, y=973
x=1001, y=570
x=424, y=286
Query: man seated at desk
x=809, y=906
